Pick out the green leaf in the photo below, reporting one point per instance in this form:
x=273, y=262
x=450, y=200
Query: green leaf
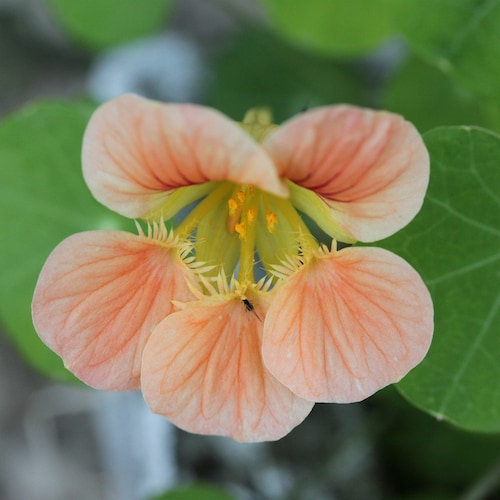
x=43, y=199
x=195, y=492
x=461, y=37
x=428, y=98
x=454, y=242
x=336, y=27
x=260, y=70
x=101, y=23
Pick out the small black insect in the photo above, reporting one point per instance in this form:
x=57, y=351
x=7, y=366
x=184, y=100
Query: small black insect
x=250, y=307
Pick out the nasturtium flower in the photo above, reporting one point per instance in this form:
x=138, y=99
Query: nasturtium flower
x=235, y=317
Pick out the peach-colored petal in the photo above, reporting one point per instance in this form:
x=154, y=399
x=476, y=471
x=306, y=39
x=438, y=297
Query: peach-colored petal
x=98, y=298
x=370, y=168
x=347, y=324
x=202, y=369
x=136, y=152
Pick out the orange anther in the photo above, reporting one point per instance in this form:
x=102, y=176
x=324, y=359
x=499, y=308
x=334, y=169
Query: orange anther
x=233, y=205
x=251, y=216
x=272, y=220
x=241, y=229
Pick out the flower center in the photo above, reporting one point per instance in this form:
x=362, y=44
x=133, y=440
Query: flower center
x=242, y=208
x=243, y=230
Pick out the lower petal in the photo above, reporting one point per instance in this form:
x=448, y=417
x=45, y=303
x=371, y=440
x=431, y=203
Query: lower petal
x=98, y=298
x=202, y=369
x=347, y=324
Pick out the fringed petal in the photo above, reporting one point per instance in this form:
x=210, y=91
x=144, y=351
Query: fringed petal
x=202, y=369
x=98, y=298
x=347, y=324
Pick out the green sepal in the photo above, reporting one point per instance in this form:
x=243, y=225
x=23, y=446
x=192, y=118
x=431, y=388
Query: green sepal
x=309, y=203
x=178, y=199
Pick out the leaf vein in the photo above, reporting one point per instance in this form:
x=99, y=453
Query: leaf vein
x=464, y=218
x=464, y=270
x=475, y=347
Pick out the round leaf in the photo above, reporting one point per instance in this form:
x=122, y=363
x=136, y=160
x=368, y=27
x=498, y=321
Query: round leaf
x=429, y=98
x=100, y=23
x=454, y=243
x=43, y=199
x=461, y=38
x=333, y=26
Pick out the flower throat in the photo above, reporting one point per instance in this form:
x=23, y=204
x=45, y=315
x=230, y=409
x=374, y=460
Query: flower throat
x=241, y=215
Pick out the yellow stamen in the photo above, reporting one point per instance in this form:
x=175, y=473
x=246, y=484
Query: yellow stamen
x=272, y=220
x=241, y=229
x=241, y=196
x=233, y=220
x=233, y=205
x=251, y=216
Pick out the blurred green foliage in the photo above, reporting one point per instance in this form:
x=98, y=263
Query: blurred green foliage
x=333, y=27
x=43, y=199
x=429, y=98
x=259, y=69
x=97, y=24
x=460, y=37
x=195, y=492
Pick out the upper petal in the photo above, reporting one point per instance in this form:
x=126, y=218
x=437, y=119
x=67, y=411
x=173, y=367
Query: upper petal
x=347, y=324
x=97, y=299
x=370, y=169
x=136, y=152
x=203, y=370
